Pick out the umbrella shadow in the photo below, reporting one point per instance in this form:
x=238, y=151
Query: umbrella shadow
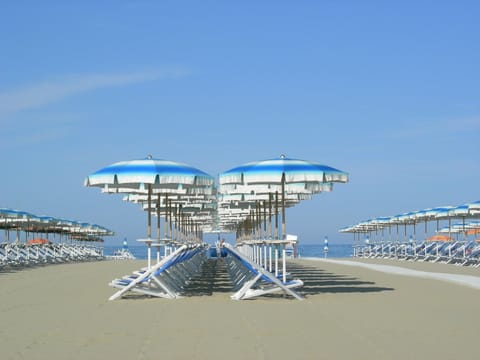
x=14, y=268
x=318, y=281
x=212, y=278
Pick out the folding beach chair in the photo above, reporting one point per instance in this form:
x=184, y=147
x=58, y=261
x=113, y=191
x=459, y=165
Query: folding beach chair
x=165, y=279
x=251, y=280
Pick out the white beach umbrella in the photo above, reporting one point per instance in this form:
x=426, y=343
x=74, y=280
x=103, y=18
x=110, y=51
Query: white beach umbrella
x=281, y=175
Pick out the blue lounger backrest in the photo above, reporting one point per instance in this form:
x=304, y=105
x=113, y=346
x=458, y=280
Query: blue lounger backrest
x=183, y=256
x=248, y=265
x=166, y=265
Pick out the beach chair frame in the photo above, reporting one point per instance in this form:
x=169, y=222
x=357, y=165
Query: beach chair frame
x=252, y=280
x=167, y=278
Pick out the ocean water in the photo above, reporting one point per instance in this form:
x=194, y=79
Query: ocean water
x=307, y=250
x=334, y=250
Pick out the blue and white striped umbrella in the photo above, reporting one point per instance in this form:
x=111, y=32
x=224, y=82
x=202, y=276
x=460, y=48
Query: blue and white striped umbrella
x=283, y=175
x=151, y=176
x=272, y=171
x=135, y=174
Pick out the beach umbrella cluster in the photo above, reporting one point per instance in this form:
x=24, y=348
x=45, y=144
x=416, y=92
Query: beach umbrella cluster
x=377, y=232
x=165, y=187
x=187, y=197
x=28, y=223
x=191, y=204
x=38, y=248
x=252, y=196
x=179, y=192
x=413, y=218
x=257, y=190
x=160, y=186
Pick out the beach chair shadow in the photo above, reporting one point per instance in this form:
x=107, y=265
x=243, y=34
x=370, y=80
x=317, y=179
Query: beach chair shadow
x=212, y=279
x=251, y=280
x=167, y=279
x=318, y=281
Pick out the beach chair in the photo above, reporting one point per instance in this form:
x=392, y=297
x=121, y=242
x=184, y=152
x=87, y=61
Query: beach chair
x=472, y=255
x=3, y=255
x=251, y=280
x=167, y=278
x=461, y=253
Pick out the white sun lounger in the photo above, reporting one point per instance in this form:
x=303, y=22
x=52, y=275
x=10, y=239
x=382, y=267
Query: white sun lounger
x=251, y=280
x=167, y=278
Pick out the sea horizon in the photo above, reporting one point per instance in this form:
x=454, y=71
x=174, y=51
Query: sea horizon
x=304, y=250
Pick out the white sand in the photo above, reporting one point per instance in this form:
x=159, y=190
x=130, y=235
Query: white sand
x=350, y=312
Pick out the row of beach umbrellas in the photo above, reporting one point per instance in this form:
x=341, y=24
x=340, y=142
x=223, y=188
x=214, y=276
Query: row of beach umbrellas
x=188, y=198
x=467, y=213
x=28, y=223
x=166, y=188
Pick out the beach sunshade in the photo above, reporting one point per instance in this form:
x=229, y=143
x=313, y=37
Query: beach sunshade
x=438, y=237
x=38, y=241
x=474, y=231
x=289, y=170
x=135, y=174
x=151, y=176
x=279, y=176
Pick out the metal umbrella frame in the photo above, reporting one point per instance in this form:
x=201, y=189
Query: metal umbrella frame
x=30, y=223
x=446, y=213
x=260, y=180
x=185, y=217
x=283, y=175
x=151, y=176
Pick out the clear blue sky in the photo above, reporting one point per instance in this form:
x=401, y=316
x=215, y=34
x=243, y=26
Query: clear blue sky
x=385, y=90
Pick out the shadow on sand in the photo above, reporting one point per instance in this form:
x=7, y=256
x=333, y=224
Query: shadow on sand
x=318, y=281
x=213, y=278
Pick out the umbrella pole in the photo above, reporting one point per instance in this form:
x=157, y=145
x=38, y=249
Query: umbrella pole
x=265, y=247
x=252, y=225
x=270, y=231
x=276, y=233
x=256, y=220
x=170, y=224
x=165, y=227
x=175, y=223
x=284, y=234
x=264, y=220
x=414, y=230
x=276, y=261
x=276, y=215
x=149, y=199
x=158, y=228
x=149, y=229
x=180, y=223
x=426, y=229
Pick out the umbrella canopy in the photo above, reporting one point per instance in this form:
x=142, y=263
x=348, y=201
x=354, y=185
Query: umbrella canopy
x=474, y=231
x=135, y=174
x=151, y=176
x=274, y=170
x=38, y=241
x=256, y=181
x=439, y=238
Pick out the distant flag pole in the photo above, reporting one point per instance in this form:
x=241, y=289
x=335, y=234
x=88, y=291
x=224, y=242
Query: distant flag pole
x=325, y=247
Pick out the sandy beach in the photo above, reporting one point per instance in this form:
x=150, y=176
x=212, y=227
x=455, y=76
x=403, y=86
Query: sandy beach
x=350, y=312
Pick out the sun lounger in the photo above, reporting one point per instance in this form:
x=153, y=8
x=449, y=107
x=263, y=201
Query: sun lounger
x=167, y=278
x=251, y=280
